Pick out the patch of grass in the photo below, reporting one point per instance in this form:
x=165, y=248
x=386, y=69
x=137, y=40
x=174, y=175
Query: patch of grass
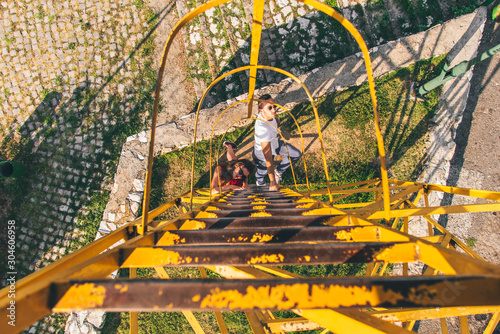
x=72, y=46
x=140, y=4
x=87, y=219
x=332, y=3
x=41, y=14
x=86, y=26
x=471, y=242
x=462, y=10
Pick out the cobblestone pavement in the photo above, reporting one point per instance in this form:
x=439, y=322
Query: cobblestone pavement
x=76, y=81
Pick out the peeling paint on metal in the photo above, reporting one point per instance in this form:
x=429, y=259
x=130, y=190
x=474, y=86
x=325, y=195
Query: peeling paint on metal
x=261, y=214
x=170, y=239
x=82, y=296
x=299, y=296
x=265, y=258
x=122, y=288
x=305, y=199
x=259, y=207
x=204, y=214
x=240, y=238
x=212, y=208
x=167, y=257
x=193, y=225
x=259, y=202
x=303, y=206
x=257, y=237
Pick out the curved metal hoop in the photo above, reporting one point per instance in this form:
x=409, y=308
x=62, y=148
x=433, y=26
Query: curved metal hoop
x=313, y=3
x=288, y=74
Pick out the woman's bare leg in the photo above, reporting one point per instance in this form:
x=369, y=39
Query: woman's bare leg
x=230, y=153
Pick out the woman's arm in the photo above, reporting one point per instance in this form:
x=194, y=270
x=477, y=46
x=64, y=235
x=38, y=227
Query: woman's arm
x=215, y=180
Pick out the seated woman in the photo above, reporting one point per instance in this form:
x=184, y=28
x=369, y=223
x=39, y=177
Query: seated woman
x=233, y=175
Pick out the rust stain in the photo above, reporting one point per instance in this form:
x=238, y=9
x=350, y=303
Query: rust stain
x=265, y=258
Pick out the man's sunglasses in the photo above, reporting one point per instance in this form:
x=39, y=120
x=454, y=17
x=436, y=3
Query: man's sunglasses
x=271, y=107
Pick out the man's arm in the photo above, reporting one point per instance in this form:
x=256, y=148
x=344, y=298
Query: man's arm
x=268, y=155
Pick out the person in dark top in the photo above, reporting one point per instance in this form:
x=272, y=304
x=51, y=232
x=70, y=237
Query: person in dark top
x=232, y=175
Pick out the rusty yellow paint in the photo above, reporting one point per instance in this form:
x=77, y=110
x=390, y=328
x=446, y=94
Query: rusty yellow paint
x=257, y=237
x=203, y=214
x=121, y=288
x=347, y=221
x=411, y=314
x=324, y=211
x=306, y=205
x=404, y=252
x=305, y=200
x=261, y=214
x=169, y=238
x=306, y=258
x=240, y=238
x=299, y=296
x=212, y=208
x=265, y=258
x=192, y=225
x=196, y=298
x=150, y=257
x=359, y=234
x=81, y=296
x=260, y=202
x=259, y=207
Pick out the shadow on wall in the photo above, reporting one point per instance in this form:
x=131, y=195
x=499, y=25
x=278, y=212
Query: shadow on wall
x=306, y=42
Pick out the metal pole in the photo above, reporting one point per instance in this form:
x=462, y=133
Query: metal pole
x=448, y=74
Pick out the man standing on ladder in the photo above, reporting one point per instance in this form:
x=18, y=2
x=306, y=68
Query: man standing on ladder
x=267, y=145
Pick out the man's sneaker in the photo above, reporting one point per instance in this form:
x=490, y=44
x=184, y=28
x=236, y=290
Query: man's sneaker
x=260, y=184
x=278, y=177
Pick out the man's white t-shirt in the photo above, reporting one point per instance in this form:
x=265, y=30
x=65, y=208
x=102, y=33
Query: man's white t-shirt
x=265, y=132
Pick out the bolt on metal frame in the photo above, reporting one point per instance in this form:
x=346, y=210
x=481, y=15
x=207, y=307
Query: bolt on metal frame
x=243, y=236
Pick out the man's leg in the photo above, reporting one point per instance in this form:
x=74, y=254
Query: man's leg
x=260, y=164
x=295, y=155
